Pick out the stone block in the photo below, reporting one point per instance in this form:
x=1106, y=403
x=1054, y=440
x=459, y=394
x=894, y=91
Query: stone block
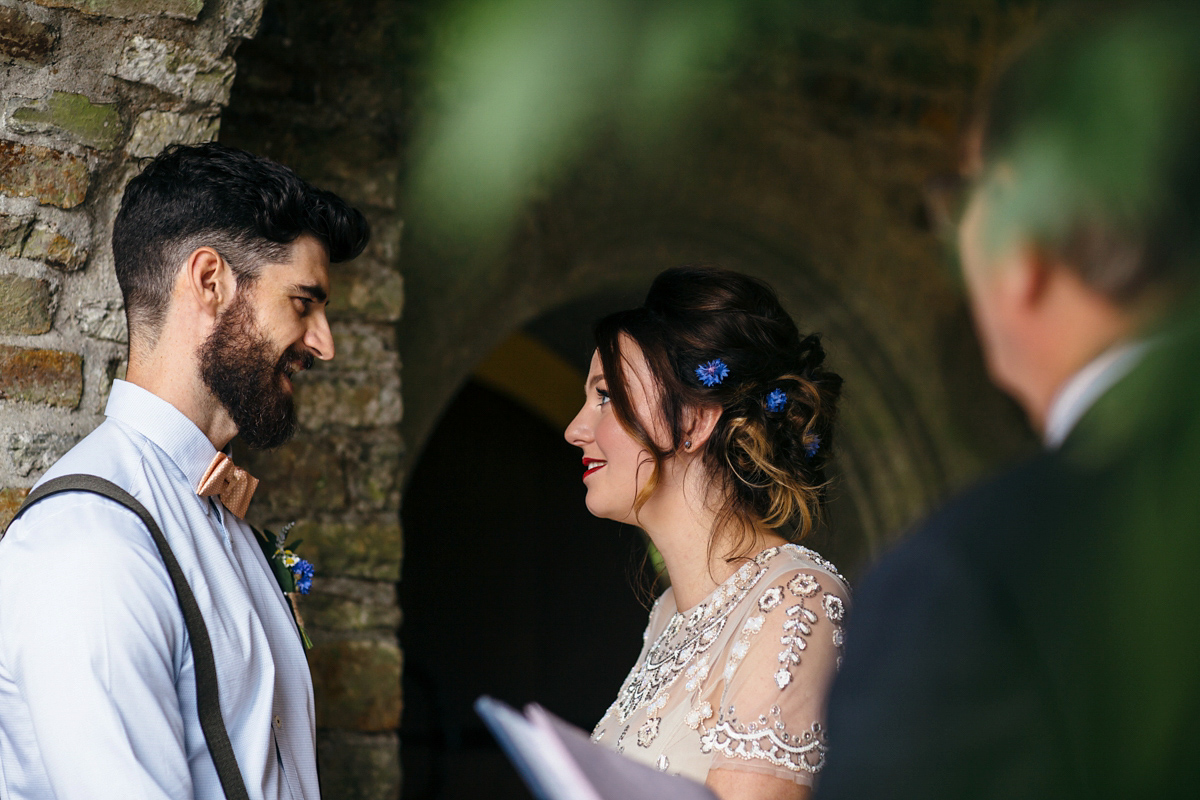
x=300, y=478
x=242, y=17
x=69, y=116
x=366, y=291
x=53, y=377
x=26, y=304
x=357, y=402
x=103, y=319
x=359, y=766
x=131, y=9
x=373, y=472
x=154, y=130
x=357, y=685
x=52, y=177
x=10, y=503
x=13, y=233
x=350, y=604
x=47, y=244
x=369, y=549
x=193, y=75
x=23, y=37
x=34, y=453
x=365, y=346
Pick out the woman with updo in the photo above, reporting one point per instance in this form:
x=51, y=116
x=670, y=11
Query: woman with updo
x=708, y=422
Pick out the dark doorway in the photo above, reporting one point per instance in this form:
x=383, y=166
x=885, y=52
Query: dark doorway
x=509, y=588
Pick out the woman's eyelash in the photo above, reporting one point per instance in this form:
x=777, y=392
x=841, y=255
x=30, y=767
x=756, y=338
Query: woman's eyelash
x=603, y=395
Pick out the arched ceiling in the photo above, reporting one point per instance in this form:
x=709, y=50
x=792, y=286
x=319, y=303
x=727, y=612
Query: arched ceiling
x=831, y=215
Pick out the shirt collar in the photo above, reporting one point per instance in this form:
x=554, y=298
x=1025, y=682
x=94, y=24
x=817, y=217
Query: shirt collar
x=1087, y=386
x=163, y=424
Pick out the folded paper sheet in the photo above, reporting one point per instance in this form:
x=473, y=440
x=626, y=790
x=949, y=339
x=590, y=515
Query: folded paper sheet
x=559, y=762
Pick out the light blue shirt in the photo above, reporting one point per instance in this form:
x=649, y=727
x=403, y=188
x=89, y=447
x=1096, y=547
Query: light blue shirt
x=97, y=688
x=1087, y=386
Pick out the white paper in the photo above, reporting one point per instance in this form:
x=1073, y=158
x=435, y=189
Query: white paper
x=560, y=762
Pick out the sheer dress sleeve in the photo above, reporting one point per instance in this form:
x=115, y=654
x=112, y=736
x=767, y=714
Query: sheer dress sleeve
x=770, y=713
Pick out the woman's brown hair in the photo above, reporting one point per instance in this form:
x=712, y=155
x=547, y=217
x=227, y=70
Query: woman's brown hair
x=767, y=457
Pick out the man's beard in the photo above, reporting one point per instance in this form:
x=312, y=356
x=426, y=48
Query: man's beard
x=237, y=365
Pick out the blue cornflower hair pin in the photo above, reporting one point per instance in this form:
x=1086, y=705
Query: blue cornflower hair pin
x=776, y=400
x=713, y=372
x=812, y=447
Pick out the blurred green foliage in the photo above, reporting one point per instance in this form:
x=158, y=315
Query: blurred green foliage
x=519, y=89
x=1106, y=120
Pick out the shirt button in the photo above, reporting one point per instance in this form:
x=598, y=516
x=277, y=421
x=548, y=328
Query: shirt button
x=278, y=722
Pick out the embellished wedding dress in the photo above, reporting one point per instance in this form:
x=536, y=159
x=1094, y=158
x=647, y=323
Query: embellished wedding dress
x=739, y=681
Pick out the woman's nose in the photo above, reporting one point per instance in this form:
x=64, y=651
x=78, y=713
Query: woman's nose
x=579, y=431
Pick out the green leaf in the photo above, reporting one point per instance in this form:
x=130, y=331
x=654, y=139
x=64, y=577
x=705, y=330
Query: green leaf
x=287, y=581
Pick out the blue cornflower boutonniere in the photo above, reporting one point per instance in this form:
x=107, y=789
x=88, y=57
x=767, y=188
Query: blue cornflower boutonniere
x=713, y=372
x=293, y=573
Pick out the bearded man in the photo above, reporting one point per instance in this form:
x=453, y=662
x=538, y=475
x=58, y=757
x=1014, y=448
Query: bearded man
x=223, y=261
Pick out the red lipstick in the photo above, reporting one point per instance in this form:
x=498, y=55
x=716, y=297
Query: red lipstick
x=590, y=465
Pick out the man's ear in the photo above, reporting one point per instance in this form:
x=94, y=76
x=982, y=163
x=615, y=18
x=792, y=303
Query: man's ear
x=700, y=423
x=208, y=282
x=1029, y=276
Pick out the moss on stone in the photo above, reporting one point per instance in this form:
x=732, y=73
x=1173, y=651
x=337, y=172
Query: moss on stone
x=357, y=685
x=13, y=233
x=96, y=125
x=366, y=549
x=26, y=305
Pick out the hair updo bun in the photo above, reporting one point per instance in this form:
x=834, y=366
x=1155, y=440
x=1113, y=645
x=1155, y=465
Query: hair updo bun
x=715, y=337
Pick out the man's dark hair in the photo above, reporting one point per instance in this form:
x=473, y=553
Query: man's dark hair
x=1098, y=120
x=248, y=208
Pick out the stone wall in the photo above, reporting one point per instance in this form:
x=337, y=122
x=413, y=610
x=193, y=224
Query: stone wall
x=88, y=87
x=317, y=90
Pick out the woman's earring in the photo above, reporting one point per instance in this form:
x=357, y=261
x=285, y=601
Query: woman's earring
x=687, y=445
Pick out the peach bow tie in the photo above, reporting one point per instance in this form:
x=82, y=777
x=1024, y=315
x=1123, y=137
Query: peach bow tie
x=233, y=485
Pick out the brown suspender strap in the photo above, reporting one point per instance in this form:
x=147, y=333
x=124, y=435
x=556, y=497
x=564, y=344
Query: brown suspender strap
x=207, y=699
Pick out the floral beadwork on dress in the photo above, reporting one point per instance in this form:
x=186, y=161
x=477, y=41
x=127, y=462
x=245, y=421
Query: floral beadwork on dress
x=766, y=738
x=685, y=638
x=818, y=559
x=835, y=610
x=700, y=713
x=649, y=731
x=796, y=627
x=772, y=626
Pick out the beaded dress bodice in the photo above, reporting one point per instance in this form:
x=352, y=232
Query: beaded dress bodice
x=739, y=681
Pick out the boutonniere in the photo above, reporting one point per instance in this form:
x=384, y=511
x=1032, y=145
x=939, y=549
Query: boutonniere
x=294, y=574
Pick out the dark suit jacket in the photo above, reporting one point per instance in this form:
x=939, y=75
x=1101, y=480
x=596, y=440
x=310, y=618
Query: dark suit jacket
x=1040, y=635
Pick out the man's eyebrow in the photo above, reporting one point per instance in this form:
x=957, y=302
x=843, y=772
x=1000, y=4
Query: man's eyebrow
x=313, y=291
